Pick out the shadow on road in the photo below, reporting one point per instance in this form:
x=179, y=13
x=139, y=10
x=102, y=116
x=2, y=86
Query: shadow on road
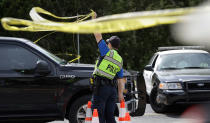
x=199, y=112
x=176, y=111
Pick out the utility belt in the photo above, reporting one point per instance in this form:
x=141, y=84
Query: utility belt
x=97, y=81
x=104, y=81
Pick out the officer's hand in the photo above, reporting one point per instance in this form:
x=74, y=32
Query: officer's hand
x=94, y=15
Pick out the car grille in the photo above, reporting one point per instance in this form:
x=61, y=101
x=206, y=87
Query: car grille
x=198, y=86
x=198, y=91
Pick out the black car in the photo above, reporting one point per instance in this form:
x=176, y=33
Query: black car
x=177, y=75
x=35, y=84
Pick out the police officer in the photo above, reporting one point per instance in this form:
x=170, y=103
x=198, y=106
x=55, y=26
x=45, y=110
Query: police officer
x=108, y=73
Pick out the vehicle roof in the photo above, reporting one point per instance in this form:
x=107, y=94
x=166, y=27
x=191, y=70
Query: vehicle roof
x=26, y=42
x=181, y=51
x=21, y=40
x=13, y=39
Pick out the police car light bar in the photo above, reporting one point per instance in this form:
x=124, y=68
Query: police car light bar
x=180, y=48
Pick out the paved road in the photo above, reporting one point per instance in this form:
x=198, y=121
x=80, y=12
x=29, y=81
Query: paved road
x=152, y=117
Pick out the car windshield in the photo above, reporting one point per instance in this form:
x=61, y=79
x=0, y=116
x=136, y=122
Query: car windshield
x=184, y=61
x=47, y=53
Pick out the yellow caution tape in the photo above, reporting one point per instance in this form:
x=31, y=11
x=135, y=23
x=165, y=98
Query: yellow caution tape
x=43, y=37
x=106, y=24
x=68, y=54
x=77, y=58
x=36, y=17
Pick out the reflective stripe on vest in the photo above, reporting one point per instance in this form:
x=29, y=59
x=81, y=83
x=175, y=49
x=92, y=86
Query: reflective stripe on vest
x=113, y=61
x=111, y=53
x=104, y=73
x=110, y=65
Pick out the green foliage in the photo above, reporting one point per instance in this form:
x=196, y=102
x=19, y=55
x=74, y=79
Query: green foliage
x=136, y=47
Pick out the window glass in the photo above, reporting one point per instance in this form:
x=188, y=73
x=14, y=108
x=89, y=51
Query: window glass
x=152, y=59
x=13, y=57
x=184, y=61
x=154, y=62
x=50, y=55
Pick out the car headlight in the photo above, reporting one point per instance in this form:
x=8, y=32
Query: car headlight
x=170, y=86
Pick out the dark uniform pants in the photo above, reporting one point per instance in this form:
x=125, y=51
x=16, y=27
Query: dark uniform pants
x=104, y=102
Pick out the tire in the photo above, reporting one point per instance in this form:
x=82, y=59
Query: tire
x=142, y=101
x=158, y=108
x=78, y=107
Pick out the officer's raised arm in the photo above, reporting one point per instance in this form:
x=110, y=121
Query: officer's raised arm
x=107, y=69
x=98, y=36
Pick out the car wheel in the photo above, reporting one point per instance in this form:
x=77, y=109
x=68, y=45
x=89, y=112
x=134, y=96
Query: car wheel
x=78, y=109
x=159, y=108
x=142, y=97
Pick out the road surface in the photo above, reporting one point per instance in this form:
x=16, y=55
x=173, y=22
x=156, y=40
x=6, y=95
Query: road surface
x=151, y=117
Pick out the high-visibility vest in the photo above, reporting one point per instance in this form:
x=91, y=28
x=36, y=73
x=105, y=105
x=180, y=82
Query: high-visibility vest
x=109, y=66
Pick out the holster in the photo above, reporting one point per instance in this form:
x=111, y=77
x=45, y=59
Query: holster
x=97, y=81
x=94, y=85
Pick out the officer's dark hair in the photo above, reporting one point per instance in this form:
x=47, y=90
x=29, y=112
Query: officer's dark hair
x=114, y=41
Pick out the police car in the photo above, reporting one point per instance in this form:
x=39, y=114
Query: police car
x=177, y=75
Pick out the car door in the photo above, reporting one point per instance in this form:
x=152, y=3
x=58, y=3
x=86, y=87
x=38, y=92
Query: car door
x=149, y=73
x=21, y=90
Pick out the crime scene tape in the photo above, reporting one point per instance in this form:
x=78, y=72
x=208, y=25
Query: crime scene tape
x=69, y=54
x=35, y=17
x=59, y=54
x=43, y=37
x=106, y=24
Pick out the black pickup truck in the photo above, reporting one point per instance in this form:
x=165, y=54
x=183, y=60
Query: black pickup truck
x=35, y=84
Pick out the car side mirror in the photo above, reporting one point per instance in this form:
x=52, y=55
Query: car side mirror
x=148, y=67
x=42, y=68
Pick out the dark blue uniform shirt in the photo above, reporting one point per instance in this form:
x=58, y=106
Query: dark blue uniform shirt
x=103, y=48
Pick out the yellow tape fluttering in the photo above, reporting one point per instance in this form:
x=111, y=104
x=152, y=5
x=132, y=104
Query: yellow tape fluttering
x=36, y=17
x=43, y=37
x=69, y=54
x=106, y=24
